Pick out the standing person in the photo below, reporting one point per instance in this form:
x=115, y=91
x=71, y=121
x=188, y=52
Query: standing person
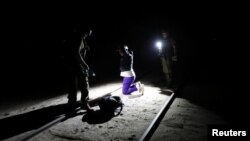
x=76, y=49
x=127, y=72
x=168, y=56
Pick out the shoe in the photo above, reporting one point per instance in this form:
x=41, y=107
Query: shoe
x=139, y=87
x=72, y=106
x=135, y=94
x=85, y=106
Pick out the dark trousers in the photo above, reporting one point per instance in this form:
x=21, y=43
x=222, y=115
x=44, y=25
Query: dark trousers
x=78, y=80
x=128, y=86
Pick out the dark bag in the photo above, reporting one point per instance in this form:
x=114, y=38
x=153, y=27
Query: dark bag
x=111, y=104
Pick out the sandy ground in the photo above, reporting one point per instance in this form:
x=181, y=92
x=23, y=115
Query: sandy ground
x=130, y=125
x=184, y=120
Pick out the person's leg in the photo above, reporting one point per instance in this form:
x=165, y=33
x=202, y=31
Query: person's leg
x=83, y=83
x=127, y=88
x=72, y=85
x=165, y=69
x=84, y=88
x=173, y=75
x=72, y=92
x=168, y=72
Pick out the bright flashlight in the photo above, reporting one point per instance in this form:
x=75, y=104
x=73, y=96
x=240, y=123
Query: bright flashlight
x=159, y=45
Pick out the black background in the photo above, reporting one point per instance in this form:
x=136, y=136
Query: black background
x=210, y=37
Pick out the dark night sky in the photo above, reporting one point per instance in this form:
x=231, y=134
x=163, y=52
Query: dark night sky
x=208, y=37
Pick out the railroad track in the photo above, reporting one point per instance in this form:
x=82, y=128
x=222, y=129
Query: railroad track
x=145, y=137
x=156, y=121
x=60, y=118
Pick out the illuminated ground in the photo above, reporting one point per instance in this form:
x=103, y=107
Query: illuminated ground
x=184, y=120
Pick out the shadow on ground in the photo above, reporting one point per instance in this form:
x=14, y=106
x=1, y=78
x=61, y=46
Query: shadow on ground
x=21, y=123
x=97, y=117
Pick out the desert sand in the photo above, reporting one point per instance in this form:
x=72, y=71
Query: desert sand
x=183, y=121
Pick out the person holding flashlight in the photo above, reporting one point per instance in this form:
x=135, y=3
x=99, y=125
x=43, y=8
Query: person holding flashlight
x=168, y=55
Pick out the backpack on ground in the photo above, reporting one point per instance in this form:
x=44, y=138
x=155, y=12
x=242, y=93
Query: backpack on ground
x=111, y=104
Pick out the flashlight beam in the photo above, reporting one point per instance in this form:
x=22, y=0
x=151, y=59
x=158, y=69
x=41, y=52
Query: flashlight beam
x=158, y=45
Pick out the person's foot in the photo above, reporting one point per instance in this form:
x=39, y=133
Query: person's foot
x=85, y=106
x=72, y=106
x=139, y=87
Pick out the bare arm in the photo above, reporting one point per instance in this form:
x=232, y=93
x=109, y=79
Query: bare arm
x=80, y=58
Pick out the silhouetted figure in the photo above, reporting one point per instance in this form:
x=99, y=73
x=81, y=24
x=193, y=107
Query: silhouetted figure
x=168, y=56
x=127, y=72
x=77, y=68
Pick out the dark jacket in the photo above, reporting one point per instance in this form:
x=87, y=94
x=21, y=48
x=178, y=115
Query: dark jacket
x=126, y=61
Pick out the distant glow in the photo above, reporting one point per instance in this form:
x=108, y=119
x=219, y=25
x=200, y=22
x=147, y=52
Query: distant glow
x=115, y=89
x=159, y=45
x=101, y=90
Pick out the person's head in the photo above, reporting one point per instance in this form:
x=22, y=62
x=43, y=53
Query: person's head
x=81, y=30
x=87, y=32
x=123, y=49
x=164, y=34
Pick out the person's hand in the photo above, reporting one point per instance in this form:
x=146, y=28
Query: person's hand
x=174, y=58
x=85, y=66
x=92, y=73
